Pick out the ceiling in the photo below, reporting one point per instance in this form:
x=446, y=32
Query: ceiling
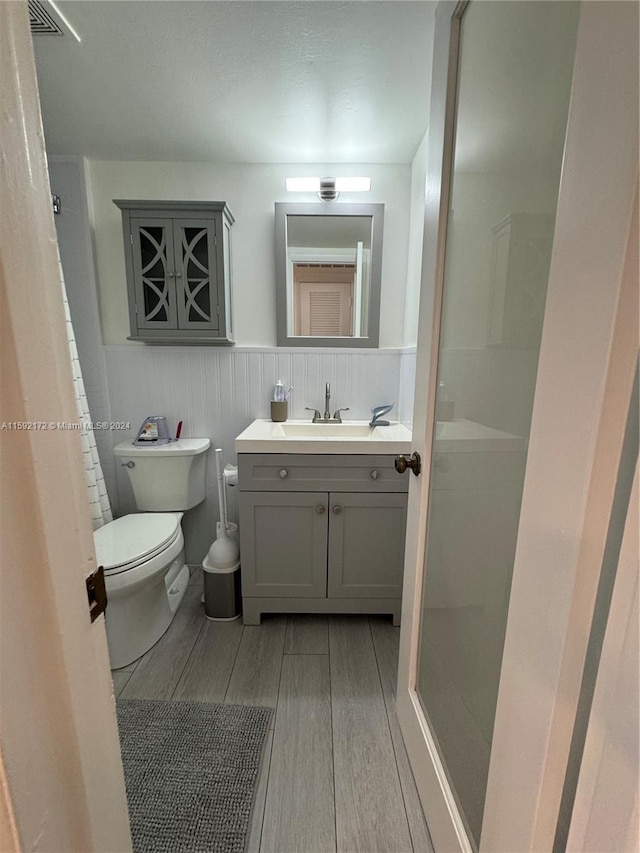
x=239, y=81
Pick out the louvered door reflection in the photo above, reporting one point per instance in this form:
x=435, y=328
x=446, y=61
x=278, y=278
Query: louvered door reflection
x=323, y=299
x=154, y=268
x=196, y=274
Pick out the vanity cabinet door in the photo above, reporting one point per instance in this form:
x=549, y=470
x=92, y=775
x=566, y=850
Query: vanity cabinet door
x=196, y=274
x=283, y=541
x=154, y=273
x=366, y=545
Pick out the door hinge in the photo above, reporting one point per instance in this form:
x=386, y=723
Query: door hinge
x=96, y=593
x=131, y=237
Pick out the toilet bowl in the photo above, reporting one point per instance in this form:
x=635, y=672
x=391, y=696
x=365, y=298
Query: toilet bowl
x=145, y=578
x=143, y=553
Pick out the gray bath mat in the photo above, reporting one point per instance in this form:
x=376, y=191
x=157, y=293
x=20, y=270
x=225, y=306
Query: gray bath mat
x=190, y=769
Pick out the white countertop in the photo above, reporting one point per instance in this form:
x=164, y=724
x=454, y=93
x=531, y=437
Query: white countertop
x=356, y=437
x=265, y=436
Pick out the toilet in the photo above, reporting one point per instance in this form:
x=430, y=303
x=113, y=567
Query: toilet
x=143, y=553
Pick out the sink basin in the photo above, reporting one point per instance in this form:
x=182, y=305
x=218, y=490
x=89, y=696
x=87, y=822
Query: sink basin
x=312, y=430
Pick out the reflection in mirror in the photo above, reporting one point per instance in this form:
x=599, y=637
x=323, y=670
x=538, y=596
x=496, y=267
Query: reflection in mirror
x=328, y=274
x=328, y=267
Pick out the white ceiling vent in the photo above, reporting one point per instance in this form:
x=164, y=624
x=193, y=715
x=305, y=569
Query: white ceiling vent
x=43, y=21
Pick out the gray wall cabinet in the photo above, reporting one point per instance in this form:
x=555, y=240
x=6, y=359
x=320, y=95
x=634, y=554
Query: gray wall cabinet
x=178, y=267
x=321, y=534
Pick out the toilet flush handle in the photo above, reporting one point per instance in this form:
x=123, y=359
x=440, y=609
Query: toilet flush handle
x=129, y=464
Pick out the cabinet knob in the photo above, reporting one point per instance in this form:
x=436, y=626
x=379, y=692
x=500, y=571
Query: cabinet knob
x=320, y=509
x=283, y=474
x=337, y=510
x=375, y=474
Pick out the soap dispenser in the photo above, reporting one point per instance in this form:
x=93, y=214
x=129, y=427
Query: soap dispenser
x=279, y=392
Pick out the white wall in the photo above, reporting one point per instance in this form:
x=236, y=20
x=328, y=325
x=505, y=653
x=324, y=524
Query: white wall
x=406, y=389
x=250, y=191
x=416, y=234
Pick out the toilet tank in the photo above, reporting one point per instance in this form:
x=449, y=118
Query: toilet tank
x=168, y=477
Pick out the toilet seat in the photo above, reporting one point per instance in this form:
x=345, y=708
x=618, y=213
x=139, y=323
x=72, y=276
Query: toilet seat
x=126, y=542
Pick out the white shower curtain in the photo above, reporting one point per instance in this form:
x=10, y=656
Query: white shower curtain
x=98, y=497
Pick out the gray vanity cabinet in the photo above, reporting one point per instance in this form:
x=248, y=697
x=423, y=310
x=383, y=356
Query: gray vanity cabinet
x=284, y=544
x=178, y=268
x=366, y=545
x=321, y=534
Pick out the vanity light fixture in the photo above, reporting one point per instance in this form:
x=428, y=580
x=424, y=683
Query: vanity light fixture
x=328, y=189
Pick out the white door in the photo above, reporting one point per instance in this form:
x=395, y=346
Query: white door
x=525, y=366
x=61, y=780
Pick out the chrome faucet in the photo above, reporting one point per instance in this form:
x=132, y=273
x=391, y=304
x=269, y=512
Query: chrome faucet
x=326, y=417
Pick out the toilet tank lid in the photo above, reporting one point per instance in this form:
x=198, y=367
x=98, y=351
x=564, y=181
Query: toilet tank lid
x=181, y=447
x=131, y=538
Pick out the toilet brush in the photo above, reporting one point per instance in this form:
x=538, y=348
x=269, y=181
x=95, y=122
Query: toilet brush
x=224, y=552
x=220, y=566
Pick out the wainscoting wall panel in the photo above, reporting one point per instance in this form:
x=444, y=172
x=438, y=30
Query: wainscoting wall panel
x=217, y=392
x=407, y=386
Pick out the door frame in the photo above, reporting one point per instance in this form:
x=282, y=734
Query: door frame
x=62, y=782
x=607, y=793
x=611, y=741
x=575, y=443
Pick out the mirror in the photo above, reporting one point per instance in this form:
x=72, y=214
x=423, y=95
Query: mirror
x=328, y=271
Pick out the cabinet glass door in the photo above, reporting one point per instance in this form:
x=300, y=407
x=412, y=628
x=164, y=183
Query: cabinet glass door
x=196, y=274
x=154, y=273
x=514, y=84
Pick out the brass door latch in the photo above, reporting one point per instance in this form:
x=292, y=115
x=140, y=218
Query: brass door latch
x=96, y=593
x=414, y=462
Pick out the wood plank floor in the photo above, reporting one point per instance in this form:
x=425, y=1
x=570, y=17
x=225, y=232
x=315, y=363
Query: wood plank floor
x=335, y=774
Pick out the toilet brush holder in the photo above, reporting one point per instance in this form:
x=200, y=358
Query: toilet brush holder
x=221, y=569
